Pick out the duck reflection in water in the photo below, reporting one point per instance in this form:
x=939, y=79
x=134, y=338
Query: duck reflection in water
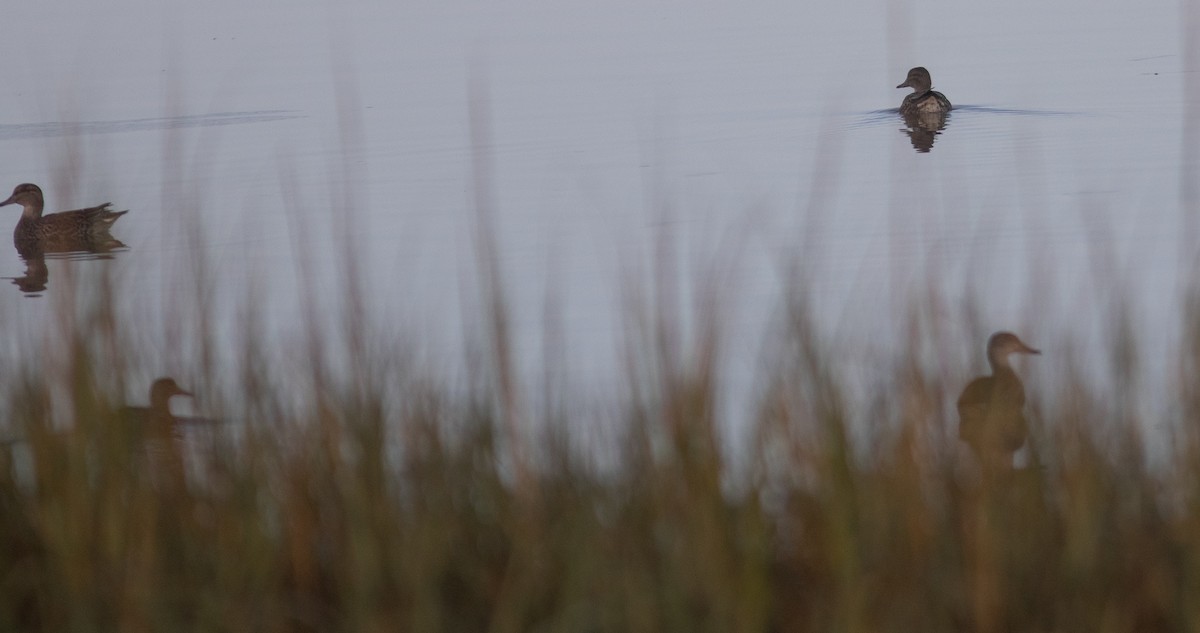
x=925, y=110
x=991, y=408
x=78, y=234
x=36, y=276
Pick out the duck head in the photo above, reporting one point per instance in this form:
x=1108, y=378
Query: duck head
x=163, y=390
x=1002, y=344
x=918, y=79
x=29, y=196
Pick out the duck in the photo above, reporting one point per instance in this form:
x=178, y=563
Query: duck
x=161, y=435
x=152, y=432
x=158, y=417
x=991, y=408
x=923, y=99
x=81, y=229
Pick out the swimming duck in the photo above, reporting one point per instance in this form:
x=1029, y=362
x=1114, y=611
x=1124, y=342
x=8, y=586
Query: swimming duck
x=990, y=409
x=923, y=99
x=84, y=229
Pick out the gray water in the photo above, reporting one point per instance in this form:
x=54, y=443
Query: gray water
x=748, y=139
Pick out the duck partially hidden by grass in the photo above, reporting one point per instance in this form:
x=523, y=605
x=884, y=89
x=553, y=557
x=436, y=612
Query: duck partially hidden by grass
x=157, y=418
x=991, y=408
x=66, y=231
x=165, y=454
x=152, y=422
x=151, y=437
x=923, y=99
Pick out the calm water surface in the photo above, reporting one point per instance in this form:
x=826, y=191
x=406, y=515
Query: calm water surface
x=749, y=140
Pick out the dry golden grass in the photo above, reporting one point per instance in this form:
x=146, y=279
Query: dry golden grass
x=391, y=502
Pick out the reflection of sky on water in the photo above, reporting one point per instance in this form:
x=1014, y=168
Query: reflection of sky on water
x=769, y=132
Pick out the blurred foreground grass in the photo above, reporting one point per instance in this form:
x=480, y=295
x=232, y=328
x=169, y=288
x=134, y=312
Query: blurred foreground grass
x=393, y=503
x=388, y=501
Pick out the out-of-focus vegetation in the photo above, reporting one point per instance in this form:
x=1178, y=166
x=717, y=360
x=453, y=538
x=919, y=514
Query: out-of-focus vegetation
x=392, y=502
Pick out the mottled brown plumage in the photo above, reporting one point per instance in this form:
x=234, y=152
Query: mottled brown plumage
x=991, y=408
x=79, y=230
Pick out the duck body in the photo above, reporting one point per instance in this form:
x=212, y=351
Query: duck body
x=991, y=413
x=929, y=102
x=81, y=229
x=991, y=408
x=923, y=99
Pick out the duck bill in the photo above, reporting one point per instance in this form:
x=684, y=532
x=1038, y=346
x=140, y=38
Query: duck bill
x=903, y=85
x=7, y=202
x=1029, y=350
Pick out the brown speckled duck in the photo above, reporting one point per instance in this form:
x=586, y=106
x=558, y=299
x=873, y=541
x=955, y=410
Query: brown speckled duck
x=923, y=99
x=82, y=229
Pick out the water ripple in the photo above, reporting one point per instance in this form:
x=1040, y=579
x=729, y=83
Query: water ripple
x=890, y=116
x=76, y=128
